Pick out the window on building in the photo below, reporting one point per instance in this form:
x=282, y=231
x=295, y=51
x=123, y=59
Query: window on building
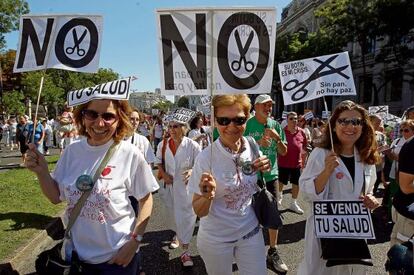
x=365, y=88
x=393, y=85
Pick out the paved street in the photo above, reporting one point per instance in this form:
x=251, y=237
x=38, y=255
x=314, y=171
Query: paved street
x=158, y=259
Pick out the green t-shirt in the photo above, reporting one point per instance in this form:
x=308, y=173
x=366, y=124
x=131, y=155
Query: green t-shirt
x=256, y=130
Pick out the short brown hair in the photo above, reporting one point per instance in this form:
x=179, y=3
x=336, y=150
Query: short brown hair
x=408, y=123
x=366, y=144
x=228, y=100
x=123, y=110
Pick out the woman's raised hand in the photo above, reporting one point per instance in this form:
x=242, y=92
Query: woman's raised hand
x=35, y=161
x=331, y=162
x=207, y=186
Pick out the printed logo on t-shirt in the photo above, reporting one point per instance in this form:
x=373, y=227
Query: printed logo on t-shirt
x=236, y=197
x=106, y=171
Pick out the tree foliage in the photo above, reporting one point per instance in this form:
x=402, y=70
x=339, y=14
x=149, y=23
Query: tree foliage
x=13, y=102
x=10, y=12
x=163, y=106
x=183, y=102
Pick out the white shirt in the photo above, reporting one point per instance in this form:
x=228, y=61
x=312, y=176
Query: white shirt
x=107, y=218
x=231, y=216
x=143, y=145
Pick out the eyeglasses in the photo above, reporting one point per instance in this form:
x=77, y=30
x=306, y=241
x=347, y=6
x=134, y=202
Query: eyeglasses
x=93, y=115
x=293, y=118
x=224, y=121
x=405, y=130
x=175, y=126
x=354, y=121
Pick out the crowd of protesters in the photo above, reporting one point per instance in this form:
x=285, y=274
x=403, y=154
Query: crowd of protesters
x=200, y=174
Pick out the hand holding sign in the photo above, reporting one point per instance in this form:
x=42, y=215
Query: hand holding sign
x=331, y=162
x=370, y=201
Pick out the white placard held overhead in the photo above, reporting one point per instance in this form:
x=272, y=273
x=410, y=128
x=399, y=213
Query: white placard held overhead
x=342, y=219
x=308, y=115
x=118, y=90
x=307, y=79
x=284, y=114
x=381, y=111
x=182, y=115
x=326, y=114
x=205, y=100
x=68, y=42
x=234, y=54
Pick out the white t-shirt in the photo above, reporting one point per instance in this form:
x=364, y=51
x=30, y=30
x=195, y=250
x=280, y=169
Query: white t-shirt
x=107, y=218
x=231, y=216
x=143, y=129
x=143, y=145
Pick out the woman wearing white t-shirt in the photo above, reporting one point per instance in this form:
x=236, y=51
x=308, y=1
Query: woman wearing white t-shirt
x=106, y=234
x=179, y=158
x=197, y=132
x=223, y=184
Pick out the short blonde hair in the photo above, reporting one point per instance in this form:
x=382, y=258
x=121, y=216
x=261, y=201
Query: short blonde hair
x=408, y=123
x=123, y=111
x=228, y=100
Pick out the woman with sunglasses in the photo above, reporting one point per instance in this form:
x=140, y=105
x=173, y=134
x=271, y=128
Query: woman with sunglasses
x=106, y=235
x=344, y=170
x=223, y=182
x=406, y=132
x=179, y=158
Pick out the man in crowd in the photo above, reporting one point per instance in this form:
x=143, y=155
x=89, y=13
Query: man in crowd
x=271, y=138
x=291, y=163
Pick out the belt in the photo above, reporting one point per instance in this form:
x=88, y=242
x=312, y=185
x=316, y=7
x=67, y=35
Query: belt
x=248, y=235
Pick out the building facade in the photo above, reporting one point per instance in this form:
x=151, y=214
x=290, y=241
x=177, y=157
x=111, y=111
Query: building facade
x=144, y=101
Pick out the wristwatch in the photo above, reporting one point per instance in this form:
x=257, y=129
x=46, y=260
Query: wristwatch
x=136, y=237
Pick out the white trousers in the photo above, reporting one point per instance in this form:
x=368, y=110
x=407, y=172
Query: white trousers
x=167, y=198
x=185, y=218
x=249, y=255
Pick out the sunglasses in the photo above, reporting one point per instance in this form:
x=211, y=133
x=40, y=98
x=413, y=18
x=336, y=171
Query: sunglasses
x=93, y=115
x=175, y=126
x=224, y=121
x=404, y=130
x=354, y=121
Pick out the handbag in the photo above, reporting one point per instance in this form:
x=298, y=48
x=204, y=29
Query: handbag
x=342, y=251
x=264, y=203
x=51, y=261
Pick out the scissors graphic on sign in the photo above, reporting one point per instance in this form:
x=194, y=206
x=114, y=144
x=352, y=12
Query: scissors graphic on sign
x=294, y=83
x=77, y=41
x=236, y=64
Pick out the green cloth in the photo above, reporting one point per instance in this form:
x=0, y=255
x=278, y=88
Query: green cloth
x=256, y=130
x=215, y=134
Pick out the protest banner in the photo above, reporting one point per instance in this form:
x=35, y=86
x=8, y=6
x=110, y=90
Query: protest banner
x=205, y=100
x=326, y=114
x=284, y=114
x=118, y=90
x=68, y=42
x=209, y=51
x=381, y=111
x=308, y=115
x=182, y=115
x=342, y=219
x=307, y=79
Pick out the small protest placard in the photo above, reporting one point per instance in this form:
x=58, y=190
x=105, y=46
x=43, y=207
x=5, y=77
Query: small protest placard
x=205, y=100
x=182, y=115
x=326, y=114
x=284, y=114
x=308, y=116
x=381, y=111
x=392, y=120
x=118, y=90
x=307, y=79
x=206, y=110
x=342, y=219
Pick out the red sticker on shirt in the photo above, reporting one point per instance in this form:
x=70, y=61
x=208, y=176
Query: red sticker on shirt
x=106, y=171
x=339, y=175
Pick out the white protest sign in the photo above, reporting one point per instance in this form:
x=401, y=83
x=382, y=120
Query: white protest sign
x=284, y=114
x=216, y=50
x=154, y=112
x=311, y=78
x=182, y=115
x=205, y=100
x=308, y=116
x=392, y=119
x=326, y=114
x=381, y=111
x=342, y=219
x=118, y=90
x=204, y=109
x=68, y=42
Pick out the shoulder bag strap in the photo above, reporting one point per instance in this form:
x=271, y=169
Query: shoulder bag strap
x=255, y=150
x=78, y=206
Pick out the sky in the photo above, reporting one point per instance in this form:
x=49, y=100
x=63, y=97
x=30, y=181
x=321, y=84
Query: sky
x=129, y=43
